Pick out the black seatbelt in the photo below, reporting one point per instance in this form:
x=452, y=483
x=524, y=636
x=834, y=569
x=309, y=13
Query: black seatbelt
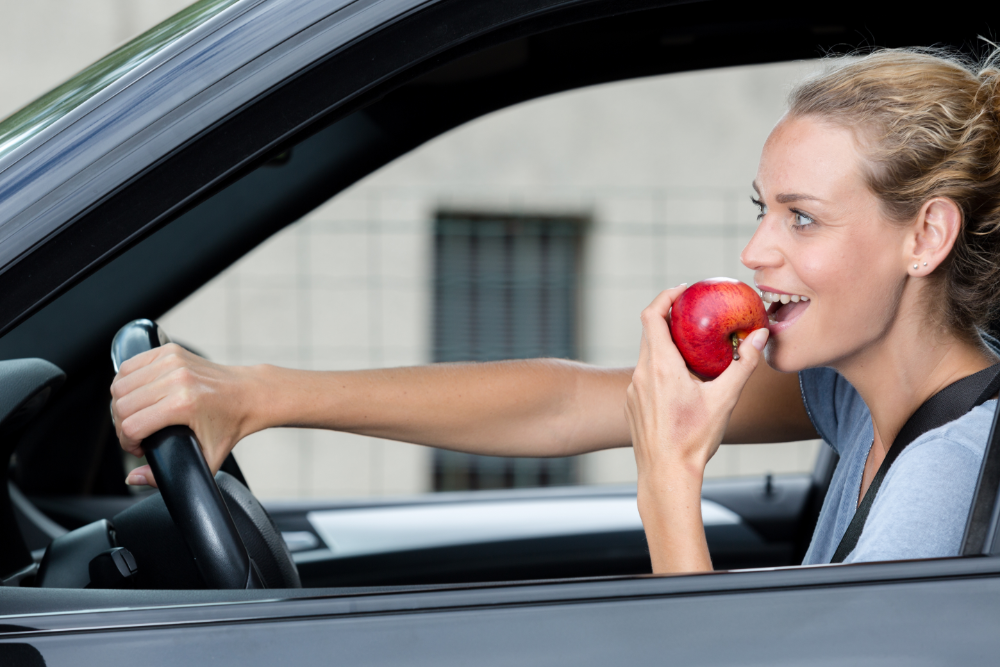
x=945, y=406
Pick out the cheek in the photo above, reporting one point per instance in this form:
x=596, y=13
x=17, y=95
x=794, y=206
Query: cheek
x=858, y=288
x=858, y=264
x=874, y=268
x=827, y=272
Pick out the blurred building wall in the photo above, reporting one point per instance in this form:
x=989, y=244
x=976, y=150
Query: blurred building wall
x=660, y=167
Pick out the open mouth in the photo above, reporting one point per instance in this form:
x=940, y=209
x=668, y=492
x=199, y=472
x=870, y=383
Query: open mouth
x=783, y=307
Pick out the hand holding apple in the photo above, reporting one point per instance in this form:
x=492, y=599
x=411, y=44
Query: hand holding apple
x=710, y=319
x=677, y=422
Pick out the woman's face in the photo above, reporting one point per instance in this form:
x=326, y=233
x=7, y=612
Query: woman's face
x=822, y=237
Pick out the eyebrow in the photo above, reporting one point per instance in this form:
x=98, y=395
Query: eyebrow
x=794, y=196
x=790, y=197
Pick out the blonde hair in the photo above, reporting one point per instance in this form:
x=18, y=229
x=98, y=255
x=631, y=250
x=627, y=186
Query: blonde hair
x=929, y=124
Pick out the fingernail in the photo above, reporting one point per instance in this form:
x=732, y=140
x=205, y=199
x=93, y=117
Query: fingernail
x=136, y=479
x=759, y=338
x=682, y=285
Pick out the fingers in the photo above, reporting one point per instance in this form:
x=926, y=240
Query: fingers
x=655, y=331
x=735, y=377
x=143, y=368
x=171, y=410
x=141, y=476
x=154, y=394
x=138, y=414
x=143, y=359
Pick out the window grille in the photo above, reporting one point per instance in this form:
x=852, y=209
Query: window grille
x=505, y=287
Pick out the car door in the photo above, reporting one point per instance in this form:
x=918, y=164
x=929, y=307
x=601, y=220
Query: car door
x=931, y=612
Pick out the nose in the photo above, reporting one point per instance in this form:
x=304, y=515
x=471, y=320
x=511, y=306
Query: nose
x=762, y=251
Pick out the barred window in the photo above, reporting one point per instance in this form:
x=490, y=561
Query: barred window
x=505, y=287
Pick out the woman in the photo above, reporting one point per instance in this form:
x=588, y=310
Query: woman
x=879, y=198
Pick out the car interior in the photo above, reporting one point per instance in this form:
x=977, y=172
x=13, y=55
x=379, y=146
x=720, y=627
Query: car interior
x=66, y=501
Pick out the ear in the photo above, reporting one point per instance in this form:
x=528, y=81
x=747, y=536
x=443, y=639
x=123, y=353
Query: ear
x=933, y=235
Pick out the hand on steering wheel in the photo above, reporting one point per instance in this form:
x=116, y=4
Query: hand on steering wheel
x=189, y=490
x=168, y=386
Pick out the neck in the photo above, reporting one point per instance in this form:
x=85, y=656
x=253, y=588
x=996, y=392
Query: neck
x=898, y=373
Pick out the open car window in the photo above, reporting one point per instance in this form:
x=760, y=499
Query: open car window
x=538, y=230
x=507, y=237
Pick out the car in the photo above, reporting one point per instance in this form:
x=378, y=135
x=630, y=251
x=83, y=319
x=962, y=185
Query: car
x=133, y=184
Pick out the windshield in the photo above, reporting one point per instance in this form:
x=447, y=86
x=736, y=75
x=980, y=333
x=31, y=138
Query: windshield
x=32, y=119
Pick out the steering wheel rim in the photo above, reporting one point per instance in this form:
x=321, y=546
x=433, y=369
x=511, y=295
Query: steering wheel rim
x=186, y=484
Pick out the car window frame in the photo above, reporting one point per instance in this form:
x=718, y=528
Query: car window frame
x=135, y=219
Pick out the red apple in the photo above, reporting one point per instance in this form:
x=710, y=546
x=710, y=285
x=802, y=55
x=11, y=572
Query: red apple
x=710, y=319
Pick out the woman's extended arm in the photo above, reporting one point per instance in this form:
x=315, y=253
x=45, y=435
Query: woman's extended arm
x=531, y=407
x=536, y=407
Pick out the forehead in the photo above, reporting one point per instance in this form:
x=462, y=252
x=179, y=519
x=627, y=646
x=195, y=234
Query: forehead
x=809, y=156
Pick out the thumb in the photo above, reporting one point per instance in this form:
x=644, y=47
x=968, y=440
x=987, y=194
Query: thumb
x=141, y=476
x=734, y=377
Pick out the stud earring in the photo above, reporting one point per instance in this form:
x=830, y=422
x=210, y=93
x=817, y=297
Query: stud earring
x=914, y=266
x=925, y=263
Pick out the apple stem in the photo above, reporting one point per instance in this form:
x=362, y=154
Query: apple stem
x=736, y=344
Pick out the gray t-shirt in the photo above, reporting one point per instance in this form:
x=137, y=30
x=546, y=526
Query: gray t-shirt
x=921, y=509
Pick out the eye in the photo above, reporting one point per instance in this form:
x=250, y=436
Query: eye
x=761, y=209
x=801, y=219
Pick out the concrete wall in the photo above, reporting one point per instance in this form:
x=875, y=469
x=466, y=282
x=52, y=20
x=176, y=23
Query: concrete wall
x=661, y=167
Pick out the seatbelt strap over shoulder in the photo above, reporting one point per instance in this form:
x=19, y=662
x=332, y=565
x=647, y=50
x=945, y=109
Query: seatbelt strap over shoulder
x=947, y=405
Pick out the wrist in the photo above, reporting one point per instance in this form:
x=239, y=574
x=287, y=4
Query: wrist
x=670, y=509
x=669, y=487
x=665, y=471
x=262, y=404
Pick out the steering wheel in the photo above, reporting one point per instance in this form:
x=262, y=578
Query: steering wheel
x=194, y=501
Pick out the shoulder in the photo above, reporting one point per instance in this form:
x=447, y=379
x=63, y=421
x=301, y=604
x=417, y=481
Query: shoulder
x=921, y=509
x=962, y=441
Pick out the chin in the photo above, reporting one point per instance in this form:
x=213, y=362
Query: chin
x=779, y=360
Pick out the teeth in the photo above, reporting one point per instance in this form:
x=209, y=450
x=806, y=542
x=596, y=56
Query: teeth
x=773, y=297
